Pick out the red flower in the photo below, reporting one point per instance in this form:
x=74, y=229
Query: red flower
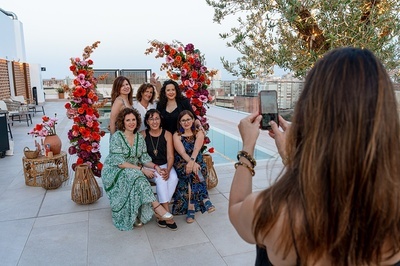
x=85, y=133
x=211, y=150
x=189, y=93
x=39, y=127
x=194, y=76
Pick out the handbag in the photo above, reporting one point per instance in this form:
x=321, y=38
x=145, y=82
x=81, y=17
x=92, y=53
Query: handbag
x=212, y=180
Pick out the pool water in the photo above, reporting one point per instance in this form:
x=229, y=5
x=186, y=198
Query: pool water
x=225, y=145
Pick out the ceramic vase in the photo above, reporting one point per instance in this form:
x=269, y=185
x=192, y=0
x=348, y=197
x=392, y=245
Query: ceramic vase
x=55, y=143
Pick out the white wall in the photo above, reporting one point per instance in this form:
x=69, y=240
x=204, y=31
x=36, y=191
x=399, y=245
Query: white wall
x=12, y=42
x=12, y=48
x=36, y=81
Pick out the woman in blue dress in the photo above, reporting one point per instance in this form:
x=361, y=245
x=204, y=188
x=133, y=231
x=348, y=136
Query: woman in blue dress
x=125, y=179
x=191, y=193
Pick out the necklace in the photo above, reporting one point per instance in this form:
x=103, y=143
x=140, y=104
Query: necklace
x=155, y=149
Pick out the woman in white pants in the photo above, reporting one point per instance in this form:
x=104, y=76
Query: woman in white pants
x=161, y=149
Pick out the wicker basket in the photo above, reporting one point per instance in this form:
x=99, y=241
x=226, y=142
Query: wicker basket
x=52, y=178
x=30, y=154
x=85, y=189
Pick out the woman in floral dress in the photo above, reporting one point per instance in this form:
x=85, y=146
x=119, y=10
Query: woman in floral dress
x=125, y=179
x=191, y=192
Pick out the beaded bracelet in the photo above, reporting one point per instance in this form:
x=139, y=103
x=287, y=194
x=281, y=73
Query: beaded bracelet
x=252, y=172
x=247, y=156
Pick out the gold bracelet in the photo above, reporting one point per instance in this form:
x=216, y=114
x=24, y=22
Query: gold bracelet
x=247, y=156
x=251, y=169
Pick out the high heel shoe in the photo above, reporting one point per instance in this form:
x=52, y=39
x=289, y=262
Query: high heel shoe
x=165, y=217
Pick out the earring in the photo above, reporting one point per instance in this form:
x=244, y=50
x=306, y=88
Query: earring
x=181, y=130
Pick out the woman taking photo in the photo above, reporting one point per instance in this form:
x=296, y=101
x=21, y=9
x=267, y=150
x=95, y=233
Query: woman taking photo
x=125, y=174
x=161, y=150
x=337, y=201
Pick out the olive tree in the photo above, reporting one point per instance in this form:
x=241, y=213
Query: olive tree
x=293, y=34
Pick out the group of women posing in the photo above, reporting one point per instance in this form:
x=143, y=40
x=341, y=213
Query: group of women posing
x=154, y=143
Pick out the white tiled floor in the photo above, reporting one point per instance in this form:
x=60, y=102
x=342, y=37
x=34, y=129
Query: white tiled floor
x=39, y=227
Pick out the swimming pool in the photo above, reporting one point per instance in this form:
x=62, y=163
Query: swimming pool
x=225, y=144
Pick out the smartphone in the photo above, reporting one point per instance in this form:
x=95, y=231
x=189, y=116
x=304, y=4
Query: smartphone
x=268, y=108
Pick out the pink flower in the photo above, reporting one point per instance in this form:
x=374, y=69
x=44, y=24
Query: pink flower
x=169, y=59
x=203, y=98
x=95, y=147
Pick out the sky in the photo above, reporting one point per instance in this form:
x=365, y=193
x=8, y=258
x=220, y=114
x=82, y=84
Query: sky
x=55, y=31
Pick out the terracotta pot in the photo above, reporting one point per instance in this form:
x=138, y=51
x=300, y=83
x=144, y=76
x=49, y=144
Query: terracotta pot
x=61, y=95
x=55, y=143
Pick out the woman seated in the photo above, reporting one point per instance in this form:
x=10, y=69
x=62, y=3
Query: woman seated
x=191, y=194
x=161, y=150
x=125, y=179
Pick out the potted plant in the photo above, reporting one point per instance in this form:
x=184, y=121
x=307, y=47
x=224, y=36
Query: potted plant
x=60, y=91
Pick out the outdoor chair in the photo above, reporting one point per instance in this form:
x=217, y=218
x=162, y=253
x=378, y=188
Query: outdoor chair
x=16, y=112
x=31, y=104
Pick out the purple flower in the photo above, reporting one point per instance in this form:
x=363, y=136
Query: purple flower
x=72, y=150
x=189, y=48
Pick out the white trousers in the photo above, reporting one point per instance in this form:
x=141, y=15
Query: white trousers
x=165, y=188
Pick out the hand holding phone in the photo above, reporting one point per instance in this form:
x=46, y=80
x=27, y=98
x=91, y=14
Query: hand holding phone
x=268, y=108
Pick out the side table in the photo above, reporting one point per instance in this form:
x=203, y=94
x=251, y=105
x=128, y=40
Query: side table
x=34, y=169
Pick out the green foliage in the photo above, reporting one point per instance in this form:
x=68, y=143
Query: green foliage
x=293, y=34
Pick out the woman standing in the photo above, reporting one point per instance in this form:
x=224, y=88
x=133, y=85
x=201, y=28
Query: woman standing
x=121, y=97
x=144, y=101
x=125, y=179
x=338, y=200
x=161, y=150
x=191, y=193
x=171, y=103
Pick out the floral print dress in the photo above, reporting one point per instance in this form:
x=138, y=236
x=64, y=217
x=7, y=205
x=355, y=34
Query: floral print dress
x=128, y=190
x=198, y=188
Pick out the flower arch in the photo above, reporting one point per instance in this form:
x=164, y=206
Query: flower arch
x=185, y=64
x=85, y=133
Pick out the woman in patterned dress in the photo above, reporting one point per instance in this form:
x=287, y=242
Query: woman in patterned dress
x=125, y=179
x=191, y=192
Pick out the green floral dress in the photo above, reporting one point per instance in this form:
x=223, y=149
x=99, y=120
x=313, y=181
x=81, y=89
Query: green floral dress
x=128, y=190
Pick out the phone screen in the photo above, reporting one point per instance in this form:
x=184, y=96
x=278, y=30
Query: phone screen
x=268, y=108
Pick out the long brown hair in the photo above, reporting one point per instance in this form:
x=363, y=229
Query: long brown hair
x=340, y=191
x=116, y=87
